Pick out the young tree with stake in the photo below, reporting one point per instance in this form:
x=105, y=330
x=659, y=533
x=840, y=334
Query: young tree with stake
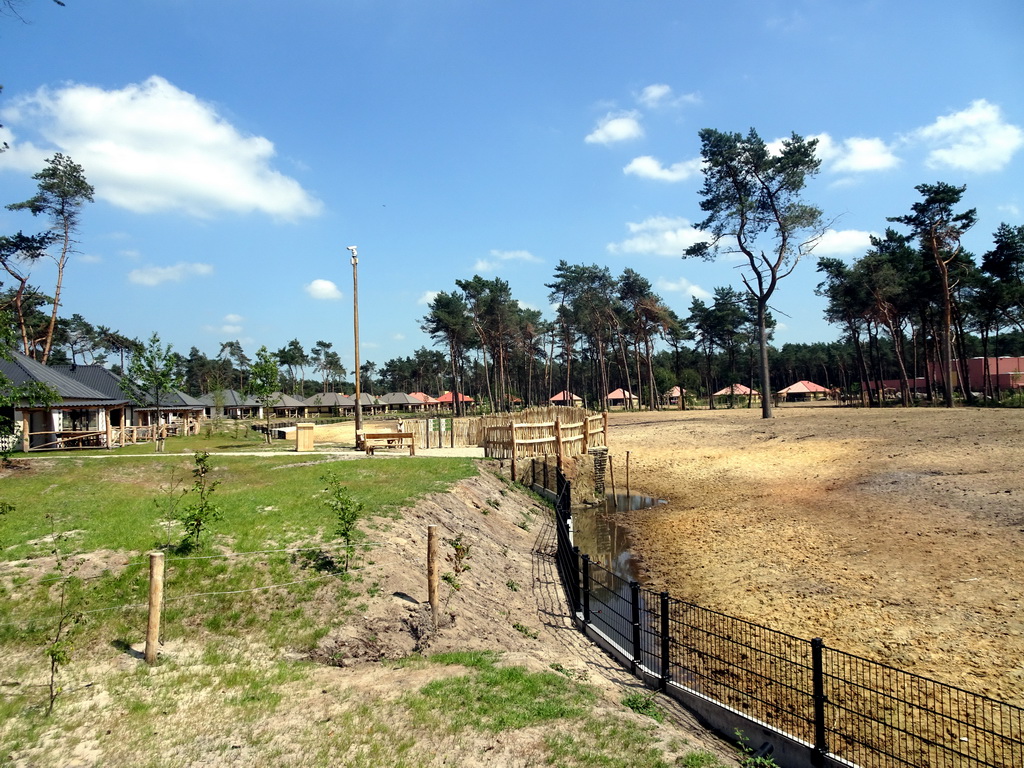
x=264, y=383
x=151, y=374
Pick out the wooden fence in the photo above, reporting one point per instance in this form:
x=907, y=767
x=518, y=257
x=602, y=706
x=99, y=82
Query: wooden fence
x=552, y=431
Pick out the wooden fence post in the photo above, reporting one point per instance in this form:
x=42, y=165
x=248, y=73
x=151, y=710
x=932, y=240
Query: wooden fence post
x=627, y=480
x=558, y=443
x=156, y=599
x=604, y=426
x=512, y=445
x=432, y=580
x=611, y=471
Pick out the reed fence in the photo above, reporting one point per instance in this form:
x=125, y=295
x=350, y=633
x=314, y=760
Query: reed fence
x=551, y=431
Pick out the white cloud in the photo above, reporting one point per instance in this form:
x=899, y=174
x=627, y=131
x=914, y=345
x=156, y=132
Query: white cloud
x=661, y=95
x=855, y=155
x=153, y=147
x=659, y=235
x=682, y=286
x=515, y=256
x=232, y=326
x=843, y=242
x=647, y=167
x=152, y=276
x=616, y=126
x=1010, y=209
x=975, y=139
x=497, y=257
x=427, y=298
x=324, y=290
x=652, y=95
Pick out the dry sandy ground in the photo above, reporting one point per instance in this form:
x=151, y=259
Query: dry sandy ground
x=894, y=534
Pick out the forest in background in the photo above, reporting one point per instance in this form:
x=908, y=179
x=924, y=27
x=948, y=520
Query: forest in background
x=913, y=306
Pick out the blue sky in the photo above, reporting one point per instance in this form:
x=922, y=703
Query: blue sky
x=237, y=148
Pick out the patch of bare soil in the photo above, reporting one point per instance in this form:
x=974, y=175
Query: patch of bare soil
x=894, y=534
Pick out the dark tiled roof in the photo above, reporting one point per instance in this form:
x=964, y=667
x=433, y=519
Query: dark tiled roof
x=24, y=370
x=229, y=399
x=109, y=383
x=400, y=398
x=287, y=401
x=328, y=399
x=96, y=377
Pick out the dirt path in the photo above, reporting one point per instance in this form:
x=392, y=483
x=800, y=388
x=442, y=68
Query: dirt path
x=893, y=534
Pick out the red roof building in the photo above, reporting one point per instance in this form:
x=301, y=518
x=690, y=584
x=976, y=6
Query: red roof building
x=737, y=389
x=450, y=397
x=566, y=398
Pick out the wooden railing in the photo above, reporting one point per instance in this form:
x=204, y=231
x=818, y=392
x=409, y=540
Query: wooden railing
x=532, y=432
x=67, y=439
x=526, y=440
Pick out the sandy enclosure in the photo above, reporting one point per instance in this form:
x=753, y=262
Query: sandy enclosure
x=894, y=534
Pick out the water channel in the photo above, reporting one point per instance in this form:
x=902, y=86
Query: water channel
x=597, y=532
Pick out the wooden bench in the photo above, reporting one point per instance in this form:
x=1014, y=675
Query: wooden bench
x=372, y=440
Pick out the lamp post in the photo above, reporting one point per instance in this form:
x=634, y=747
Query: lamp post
x=355, y=326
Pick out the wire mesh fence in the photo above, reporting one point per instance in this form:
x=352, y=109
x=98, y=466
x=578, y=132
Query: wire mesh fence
x=848, y=709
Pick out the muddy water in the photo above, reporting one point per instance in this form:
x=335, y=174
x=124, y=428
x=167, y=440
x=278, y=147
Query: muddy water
x=596, y=533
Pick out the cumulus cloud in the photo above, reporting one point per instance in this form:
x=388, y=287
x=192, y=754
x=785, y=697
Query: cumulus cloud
x=324, y=290
x=152, y=276
x=647, y=167
x=427, y=298
x=855, y=155
x=615, y=127
x=975, y=139
x=661, y=95
x=844, y=242
x=232, y=325
x=498, y=257
x=660, y=236
x=682, y=286
x=151, y=146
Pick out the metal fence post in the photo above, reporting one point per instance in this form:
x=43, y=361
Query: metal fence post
x=634, y=600
x=576, y=603
x=818, y=677
x=666, y=669
x=586, y=590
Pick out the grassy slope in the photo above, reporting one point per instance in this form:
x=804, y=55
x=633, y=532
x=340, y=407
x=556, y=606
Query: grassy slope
x=110, y=512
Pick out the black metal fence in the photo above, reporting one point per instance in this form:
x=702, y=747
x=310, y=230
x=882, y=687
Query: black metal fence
x=846, y=708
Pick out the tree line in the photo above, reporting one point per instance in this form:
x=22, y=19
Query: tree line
x=911, y=306
x=917, y=302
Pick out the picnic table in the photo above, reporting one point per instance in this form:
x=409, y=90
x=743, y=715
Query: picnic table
x=373, y=440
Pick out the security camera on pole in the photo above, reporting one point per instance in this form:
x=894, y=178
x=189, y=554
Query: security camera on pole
x=355, y=325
